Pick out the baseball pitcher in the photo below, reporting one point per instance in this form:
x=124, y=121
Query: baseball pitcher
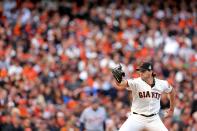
x=146, y=92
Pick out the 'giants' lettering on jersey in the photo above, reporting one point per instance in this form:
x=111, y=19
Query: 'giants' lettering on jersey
x=148, y=94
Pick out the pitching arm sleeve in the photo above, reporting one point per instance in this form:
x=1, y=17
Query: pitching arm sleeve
x=167, y=88
x=131, y=84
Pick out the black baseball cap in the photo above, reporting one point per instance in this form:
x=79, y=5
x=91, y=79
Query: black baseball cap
x=145, y=66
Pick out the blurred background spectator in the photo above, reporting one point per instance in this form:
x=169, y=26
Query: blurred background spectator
x=55, y=56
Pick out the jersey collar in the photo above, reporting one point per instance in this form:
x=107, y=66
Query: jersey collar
x=152, y=85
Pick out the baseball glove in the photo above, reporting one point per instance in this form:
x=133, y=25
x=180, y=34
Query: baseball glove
x=118, y=73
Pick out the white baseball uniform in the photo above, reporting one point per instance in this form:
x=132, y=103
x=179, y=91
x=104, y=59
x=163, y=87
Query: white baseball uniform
x=146, y=101
x=93, y=120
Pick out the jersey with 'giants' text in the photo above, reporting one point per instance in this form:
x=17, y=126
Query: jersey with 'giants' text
x=146, y=99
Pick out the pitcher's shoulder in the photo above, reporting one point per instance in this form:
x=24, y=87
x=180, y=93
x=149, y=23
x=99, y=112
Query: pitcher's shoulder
x=162, y=81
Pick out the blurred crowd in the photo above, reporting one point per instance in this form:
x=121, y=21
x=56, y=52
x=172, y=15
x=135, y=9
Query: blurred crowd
x=55, y=56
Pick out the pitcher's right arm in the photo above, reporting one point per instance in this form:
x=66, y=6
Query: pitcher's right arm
x=122, y=85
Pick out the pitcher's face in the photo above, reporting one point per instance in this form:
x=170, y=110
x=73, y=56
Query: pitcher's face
x=145, y=74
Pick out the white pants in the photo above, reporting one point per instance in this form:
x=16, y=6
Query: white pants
x=137, y=122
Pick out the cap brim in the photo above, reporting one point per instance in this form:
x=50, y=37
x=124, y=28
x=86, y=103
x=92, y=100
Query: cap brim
x=140, y=69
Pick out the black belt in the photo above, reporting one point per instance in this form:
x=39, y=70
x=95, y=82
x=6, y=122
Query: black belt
x=145, y=115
